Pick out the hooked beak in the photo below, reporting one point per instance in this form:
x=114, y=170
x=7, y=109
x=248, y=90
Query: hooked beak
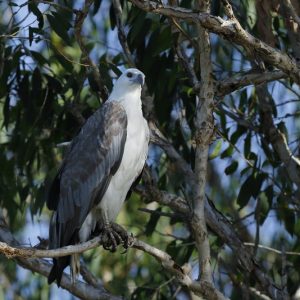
x=140, y=79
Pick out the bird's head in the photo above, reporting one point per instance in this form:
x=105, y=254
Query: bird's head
x=128, y=86
x=131, y=78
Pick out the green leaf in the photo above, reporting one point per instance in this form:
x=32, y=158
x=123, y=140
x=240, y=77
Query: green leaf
x=245, y=192
x=259, y=179
x=97, y=4
x=250, y=188
x=262, y=208
x=6, y=111
x=217, y=149
x=12, y=4
x=227, y=152
x=243, y=100
x=181, y=251
x=237, y=134
x=112, y=17
x=150, y=227
x=31, y=32
x=58, y=27
x=30, y=35
x=36, y=91
x=160, y=40
x=269, y=191
x=247, y=145
x=32, y=7
x=276, y=23
x=231, y=168
x=116, y=70
x=39, y=57
x=289, y=220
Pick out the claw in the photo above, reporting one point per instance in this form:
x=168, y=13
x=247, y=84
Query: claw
x=114, y=235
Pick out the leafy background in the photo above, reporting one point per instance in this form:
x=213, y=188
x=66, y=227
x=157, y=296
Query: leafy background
x=46, y=91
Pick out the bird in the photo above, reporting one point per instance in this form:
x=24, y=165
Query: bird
x=102, y=163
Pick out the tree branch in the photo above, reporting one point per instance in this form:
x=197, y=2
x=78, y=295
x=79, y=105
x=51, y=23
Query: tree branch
x=272, y=249
x=26, y=257
x=80, y=17
x=275, y=136
x=291, y=10
x=216, y=221
x=121, y=32
x=204, y=124
x=229, y=29
x=80, y=289
x=232, y=84
x=89, y=277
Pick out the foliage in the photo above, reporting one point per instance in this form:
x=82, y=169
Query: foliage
x=46, y=91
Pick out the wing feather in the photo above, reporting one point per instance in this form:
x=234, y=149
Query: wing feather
x=94, y=156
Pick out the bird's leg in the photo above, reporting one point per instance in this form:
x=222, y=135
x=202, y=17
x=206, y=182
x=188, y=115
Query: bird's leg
x=110, y=238
x=113, y=235
x=127, y=240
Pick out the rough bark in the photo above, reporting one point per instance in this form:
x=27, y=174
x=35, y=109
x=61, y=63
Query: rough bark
x=231, y=30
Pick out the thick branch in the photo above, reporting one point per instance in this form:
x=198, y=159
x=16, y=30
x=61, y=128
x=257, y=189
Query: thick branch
x=230, y=30
x=30, y=252
x=26, y=257
x=80, y=289
x=232, y=84
x=204, y=124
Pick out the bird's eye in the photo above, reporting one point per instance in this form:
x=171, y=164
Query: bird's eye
x=129, y=74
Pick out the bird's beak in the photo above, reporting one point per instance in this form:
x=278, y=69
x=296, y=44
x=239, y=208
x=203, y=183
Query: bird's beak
x=140, y=79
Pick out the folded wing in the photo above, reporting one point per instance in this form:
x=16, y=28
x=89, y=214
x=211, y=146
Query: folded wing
x=93, y=158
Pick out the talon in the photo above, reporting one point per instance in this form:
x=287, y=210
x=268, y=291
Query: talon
x=112, y=236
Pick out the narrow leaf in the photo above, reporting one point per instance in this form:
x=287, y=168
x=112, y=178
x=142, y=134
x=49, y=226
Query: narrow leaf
x=217, y=149
x=231, y=168
x=60, y=30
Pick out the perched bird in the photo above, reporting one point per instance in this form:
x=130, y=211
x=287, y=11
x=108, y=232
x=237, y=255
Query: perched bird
x=101, y=165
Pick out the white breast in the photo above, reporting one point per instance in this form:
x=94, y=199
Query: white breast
x=133, y=160
x=134, y=157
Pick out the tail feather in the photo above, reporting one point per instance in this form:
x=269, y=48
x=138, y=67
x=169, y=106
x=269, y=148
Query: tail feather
x=58, y=269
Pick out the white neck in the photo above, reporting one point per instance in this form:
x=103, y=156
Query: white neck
x=130, y=100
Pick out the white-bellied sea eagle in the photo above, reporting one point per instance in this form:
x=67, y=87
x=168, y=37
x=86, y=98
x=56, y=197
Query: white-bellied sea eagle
x=102, y=163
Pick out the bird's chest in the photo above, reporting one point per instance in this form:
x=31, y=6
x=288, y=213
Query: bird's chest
x=135, y=151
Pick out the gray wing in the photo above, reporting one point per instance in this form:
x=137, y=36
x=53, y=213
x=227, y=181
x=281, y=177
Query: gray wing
x=94, y=156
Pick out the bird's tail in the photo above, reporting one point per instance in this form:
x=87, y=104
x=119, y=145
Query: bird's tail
x=58, y=269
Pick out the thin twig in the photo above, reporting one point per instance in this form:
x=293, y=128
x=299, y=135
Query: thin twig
x=121, y=32
x=80, y=17
x=272, y=249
